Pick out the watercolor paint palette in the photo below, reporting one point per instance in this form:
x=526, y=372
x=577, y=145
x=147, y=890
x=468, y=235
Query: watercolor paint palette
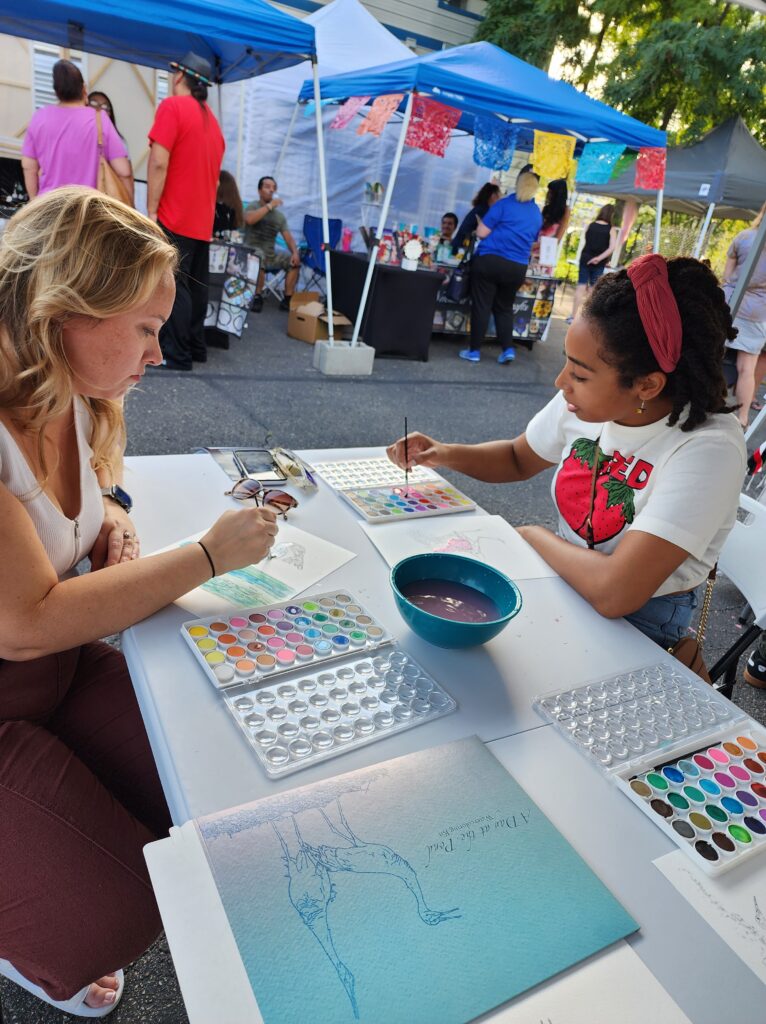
x=319, y=714
x=712, y=801
x=683, y=753
x=398, y=504
x=253, y=644
x=371, y=473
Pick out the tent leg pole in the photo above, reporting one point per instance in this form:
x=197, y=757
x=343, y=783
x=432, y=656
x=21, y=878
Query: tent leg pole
x=703, y=231
x=323, y=194
x=219, y=104
x=285, y=143
x=240, y=131
x=383, y=217
x=658, y=220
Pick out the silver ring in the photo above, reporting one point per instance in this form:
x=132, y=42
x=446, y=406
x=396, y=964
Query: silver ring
x=127, y=535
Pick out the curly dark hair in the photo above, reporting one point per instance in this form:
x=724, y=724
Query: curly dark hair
x=697, y=381
x=485, y=193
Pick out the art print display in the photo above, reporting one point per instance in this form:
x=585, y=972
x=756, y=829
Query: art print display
x=428, y=888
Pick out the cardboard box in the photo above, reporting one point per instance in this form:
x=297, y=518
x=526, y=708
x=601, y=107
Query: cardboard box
x=308, y=321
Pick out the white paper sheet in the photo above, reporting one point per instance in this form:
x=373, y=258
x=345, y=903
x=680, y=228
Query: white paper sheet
x=489, y=539
x=614, y=986
x=298, y=561
x=734, y=904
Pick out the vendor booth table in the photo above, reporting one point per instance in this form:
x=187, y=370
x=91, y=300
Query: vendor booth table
x=399, y=314
x=556, y=640
x=532, y=310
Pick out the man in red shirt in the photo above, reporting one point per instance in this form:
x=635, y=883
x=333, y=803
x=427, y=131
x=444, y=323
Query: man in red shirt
x=184, y=163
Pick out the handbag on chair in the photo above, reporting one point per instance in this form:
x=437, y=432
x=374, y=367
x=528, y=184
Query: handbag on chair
x=109, y=182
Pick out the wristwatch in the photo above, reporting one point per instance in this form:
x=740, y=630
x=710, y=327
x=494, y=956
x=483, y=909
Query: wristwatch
x=116, y=493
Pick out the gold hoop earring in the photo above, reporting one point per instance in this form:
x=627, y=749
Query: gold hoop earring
x=641, y=408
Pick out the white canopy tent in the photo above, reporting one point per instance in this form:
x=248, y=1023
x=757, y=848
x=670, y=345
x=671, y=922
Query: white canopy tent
x=260, y=114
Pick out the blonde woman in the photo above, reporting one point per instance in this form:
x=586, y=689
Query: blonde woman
x=750, y=320
x=85, y=285
x=498, y=269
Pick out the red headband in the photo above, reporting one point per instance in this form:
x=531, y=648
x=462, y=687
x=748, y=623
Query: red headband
x=658, y=309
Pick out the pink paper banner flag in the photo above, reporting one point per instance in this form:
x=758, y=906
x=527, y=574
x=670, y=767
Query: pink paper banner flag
x=379, y=113
x=650, y=168
x=346, y=113
x=431, y=125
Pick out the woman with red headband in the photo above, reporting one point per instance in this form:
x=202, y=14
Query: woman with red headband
x=648, y=458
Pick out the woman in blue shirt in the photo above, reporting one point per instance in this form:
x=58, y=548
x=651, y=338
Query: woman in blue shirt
x=506, y=235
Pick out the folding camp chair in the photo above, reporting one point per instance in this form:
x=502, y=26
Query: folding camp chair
x=314, y=258
x=741, y=559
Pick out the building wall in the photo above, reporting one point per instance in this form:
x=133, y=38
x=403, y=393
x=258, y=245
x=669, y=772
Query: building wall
x=132, y=90
x=423, y=24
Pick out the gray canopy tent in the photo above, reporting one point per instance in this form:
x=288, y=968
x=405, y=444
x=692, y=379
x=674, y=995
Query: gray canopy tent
x=723, y=175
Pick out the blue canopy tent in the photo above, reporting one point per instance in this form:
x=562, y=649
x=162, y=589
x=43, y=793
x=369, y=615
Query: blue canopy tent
x=480, y=78
x=240, y=38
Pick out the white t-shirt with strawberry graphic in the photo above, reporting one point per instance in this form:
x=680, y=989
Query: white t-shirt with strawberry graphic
x=681, y=486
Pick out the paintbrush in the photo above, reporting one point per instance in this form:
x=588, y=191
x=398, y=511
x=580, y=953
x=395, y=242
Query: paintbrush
x=406, y=460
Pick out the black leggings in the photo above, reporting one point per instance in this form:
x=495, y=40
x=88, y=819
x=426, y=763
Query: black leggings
x=494, y=283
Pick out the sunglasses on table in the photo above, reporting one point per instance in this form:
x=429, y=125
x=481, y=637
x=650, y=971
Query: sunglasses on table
x=247, y=488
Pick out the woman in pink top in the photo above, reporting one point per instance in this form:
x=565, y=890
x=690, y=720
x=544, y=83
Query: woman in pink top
x=61, y=144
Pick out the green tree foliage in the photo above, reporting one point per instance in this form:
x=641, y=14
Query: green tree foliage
x=681, y=65
x=690, y=67
x=531, y=29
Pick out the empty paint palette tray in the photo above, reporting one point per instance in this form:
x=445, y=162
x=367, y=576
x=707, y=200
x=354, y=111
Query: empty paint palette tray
x=377, y=472
x=313, y=715
x=690, y=759
x=253, y=644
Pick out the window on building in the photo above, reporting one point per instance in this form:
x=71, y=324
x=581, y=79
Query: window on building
x=161, y=85
x=44, y=57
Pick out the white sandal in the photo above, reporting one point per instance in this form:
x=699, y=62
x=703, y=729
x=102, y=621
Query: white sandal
x=76, y=1005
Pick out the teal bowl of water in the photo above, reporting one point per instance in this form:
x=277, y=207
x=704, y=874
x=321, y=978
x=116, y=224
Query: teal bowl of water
x=453, y=601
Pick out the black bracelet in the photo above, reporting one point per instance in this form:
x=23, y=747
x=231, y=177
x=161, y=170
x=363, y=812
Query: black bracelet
x=207, y=555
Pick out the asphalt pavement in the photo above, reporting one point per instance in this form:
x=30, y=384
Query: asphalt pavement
x=264, y=391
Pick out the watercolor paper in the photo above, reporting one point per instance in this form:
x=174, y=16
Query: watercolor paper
x=298, y=561
x=488, y=539
x=429, y=888
x=734, y=905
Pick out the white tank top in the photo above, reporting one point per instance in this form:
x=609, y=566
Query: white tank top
x=65, y=540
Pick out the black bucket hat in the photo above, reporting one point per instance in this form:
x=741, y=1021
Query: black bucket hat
x=196, y=66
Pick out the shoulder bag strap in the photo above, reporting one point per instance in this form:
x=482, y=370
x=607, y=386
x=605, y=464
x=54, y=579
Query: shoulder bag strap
x=594, y=477
x=100, y=130
x=707, y=600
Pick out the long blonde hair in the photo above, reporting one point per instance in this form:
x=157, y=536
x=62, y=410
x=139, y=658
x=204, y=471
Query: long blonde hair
x=70, y=252
x=527, y=185
x=756, y=221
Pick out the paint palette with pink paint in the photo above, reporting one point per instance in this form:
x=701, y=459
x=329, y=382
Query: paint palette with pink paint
x=391, y=504
x=256, y=643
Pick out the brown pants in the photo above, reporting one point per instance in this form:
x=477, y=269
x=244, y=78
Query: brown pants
x=79, y=799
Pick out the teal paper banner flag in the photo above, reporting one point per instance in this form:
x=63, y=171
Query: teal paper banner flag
x=597, y=162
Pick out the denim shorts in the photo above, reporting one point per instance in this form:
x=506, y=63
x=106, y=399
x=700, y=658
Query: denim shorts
x=665, y=619
x=589, y=273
